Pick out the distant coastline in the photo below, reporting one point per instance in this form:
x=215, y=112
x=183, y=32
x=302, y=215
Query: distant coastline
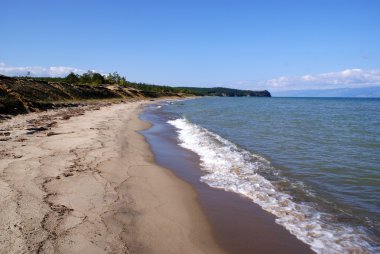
x=26, y=94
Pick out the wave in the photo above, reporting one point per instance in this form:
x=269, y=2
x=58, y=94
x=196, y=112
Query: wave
x=234, y=169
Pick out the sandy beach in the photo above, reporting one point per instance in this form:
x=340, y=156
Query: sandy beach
x=82, y=180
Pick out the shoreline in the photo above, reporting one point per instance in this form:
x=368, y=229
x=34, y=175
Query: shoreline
x=88, y=183
x=239, y=225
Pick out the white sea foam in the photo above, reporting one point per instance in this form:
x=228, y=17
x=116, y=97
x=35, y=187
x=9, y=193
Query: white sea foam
x=233, y=169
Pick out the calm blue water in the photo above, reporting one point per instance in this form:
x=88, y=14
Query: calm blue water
x=322, y=154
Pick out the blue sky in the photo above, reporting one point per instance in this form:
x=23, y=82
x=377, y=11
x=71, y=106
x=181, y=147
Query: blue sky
x=277, y=45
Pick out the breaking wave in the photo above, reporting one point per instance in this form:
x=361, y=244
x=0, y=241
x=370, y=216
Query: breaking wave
x=234, y=169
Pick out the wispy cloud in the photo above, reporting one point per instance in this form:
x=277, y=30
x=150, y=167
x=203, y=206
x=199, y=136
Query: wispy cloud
x=38, y=71
x=350, y=78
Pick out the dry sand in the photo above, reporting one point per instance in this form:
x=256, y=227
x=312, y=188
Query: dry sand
x=82, y=180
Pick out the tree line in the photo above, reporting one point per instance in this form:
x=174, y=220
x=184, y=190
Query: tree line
x=94, y=78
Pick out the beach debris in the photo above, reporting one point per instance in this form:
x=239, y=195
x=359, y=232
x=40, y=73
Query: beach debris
x=52, y=124
x=52, y=133
x=66, y=117
x=33, y=130
x=21, y=140
x=67, y=174
x=60, y=209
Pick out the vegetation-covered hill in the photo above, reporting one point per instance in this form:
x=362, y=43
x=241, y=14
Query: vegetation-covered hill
x=114, y=78
x=25, y=94
x=22, y=95
x=198, y=91
x=222, y=91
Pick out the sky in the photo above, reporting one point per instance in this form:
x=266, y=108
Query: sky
x=269, y=44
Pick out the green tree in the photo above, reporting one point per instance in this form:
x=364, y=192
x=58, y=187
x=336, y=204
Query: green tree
x=98, y=79
x=123, y=81
x=113, y=78
x=72, y=78
x=86, y=78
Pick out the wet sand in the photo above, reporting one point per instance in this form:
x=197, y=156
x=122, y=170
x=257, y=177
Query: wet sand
x=239, y=225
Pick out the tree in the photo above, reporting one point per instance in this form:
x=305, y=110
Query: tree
x=86, y=78
x=113, y=78
x=98, y=79
x=72, y=78
x=123, y=81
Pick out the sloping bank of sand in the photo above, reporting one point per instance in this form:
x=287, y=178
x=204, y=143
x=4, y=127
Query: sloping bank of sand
x=84, y=181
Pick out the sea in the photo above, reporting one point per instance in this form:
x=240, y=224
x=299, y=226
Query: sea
x=313, y=163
